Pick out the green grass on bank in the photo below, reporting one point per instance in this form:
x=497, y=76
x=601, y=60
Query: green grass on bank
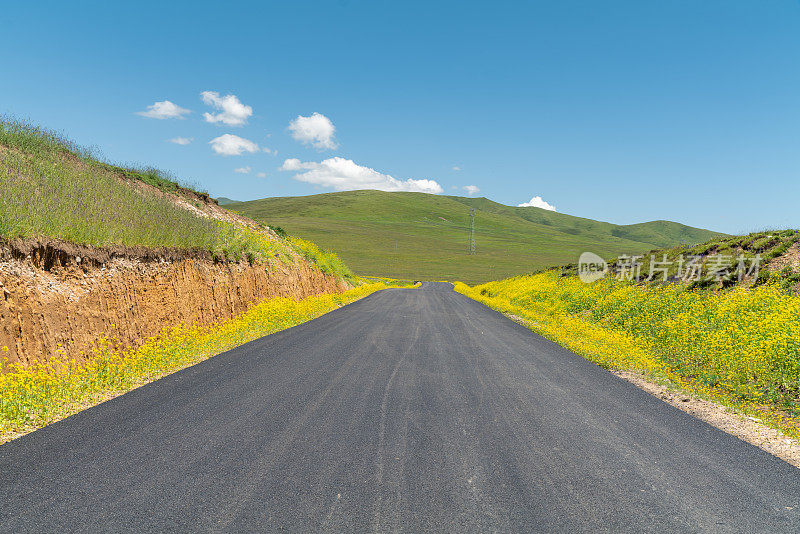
x=422, y=236
x=40, y=142
x=328, y=262
x=49, y=186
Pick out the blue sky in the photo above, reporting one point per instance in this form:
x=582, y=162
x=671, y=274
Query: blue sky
x=624, y=111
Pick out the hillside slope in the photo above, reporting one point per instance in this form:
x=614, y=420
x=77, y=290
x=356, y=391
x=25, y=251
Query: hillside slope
x=93, y=253
x=417, y=235
x=770, y=256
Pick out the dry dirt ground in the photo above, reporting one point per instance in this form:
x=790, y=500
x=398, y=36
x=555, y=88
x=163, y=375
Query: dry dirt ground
x=791, y=259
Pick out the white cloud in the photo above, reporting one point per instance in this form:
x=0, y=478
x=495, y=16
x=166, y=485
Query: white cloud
x=456, y=168
x=242, y=170
x=345, y=175
x=471, y=189
x=164, y=110
x=262, y=175
x=537, y=202
x=181, y=140
x=316, y=130
x=232, y=111
x=232, y=145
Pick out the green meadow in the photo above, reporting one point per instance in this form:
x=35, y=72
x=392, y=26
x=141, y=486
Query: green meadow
x=423, y=236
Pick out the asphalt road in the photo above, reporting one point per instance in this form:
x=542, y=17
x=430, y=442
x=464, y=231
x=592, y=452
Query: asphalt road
x=412, y=409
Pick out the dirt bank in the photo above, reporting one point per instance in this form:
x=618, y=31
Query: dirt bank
x=60, y=296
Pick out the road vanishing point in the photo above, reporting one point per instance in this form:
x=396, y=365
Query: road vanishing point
x=410, y=410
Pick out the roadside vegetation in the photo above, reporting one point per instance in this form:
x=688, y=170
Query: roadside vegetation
x=36, y=395
x=739, y=346
x=39, y=142
x=51, y=187
x=328, y=262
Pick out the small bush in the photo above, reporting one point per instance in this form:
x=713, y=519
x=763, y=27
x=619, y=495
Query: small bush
x=279, y=231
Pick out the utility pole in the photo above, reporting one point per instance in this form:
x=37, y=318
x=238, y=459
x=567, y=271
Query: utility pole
x=471, y=232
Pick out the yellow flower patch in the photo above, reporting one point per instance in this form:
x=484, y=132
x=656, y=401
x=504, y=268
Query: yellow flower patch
x=36, y=395
x=741, y=346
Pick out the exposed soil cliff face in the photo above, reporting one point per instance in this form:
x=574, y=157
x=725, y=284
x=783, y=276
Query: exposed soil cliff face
x=55, y=294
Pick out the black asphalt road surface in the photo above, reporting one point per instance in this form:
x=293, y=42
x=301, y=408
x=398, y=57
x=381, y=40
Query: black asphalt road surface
x=411, y=410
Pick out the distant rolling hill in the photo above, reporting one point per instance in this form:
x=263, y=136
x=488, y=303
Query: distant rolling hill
x=423, y=236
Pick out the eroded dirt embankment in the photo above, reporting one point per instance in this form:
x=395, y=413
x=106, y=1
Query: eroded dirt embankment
x=60, y=296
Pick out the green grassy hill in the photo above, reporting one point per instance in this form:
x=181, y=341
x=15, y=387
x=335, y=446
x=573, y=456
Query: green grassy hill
x=422, y=236
x=51, y=187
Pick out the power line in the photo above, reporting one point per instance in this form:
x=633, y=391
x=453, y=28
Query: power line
x=471, y=250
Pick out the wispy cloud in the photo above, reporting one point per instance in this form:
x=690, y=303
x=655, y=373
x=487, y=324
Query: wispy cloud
x=232, y=145
x=242, y=170
x=231, y=111
x=471, y=189
x=262, y=175
x=181, y=140
x=345, y=175
x=164, y=110
x=456, y=168
x=537, y=202
x=316, y=130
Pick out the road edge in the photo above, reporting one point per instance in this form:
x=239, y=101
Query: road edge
x=744, y=427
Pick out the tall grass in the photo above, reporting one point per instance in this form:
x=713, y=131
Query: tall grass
x=40, y=142
x=33, y=396
x=63, y=198
x=50, y=186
